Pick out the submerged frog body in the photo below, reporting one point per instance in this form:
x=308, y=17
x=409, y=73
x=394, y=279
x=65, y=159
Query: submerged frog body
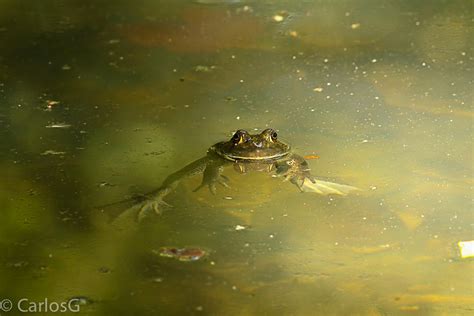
x=246, y=152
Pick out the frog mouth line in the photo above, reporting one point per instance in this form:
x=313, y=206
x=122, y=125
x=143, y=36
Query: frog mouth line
x=235, y=157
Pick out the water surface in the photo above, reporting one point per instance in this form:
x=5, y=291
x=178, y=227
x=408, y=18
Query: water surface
x=100, y=101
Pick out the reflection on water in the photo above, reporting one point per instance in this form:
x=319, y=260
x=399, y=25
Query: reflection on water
x=100, y=102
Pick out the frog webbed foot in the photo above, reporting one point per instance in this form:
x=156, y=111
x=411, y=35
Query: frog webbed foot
x=299, y=180
x=212, y=175
x=212, y=181
x=295, y=170
x=151, y=206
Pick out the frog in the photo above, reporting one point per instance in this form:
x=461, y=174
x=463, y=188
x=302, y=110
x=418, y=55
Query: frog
x=246, y=152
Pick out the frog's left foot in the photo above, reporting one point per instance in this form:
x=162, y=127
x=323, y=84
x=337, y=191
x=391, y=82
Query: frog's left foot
x=151, y=206
x=143, y=209
x=298, y=179
x=296, y=171
x=211, y=183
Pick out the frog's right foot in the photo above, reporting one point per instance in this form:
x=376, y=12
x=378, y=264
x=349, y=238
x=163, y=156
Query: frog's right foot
x=151, y=206
x=211, y=183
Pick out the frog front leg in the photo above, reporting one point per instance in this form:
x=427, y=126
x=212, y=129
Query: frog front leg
x=295, y=169
x=213, y=175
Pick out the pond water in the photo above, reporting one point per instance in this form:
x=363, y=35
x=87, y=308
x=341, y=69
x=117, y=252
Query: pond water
x=101, y=101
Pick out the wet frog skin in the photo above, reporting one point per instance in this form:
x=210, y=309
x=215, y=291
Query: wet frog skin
x=245, y=152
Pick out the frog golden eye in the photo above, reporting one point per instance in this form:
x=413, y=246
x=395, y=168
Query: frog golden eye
x=236, y=138
x=239, y=137
x=269, y=134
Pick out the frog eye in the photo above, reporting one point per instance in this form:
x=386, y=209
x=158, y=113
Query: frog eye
x=239, y=137
x=270, y=134
x=235, y=139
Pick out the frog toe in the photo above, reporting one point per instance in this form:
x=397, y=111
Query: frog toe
x=298, y=181
x=224, y=181
x=210, y=185
x=145, y=211
x=199, y=187
x=212, y=188
x=151, y=206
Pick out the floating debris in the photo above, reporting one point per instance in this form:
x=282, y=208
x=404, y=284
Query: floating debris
x=241, y=227
x=278, y=18
x=203, y=68
x=50, y=104
x=230, y=99
x=104, y=270
x=466, y=249
x=66, y=67
x=373, y=249
x=19, y=264
x=155, y=153
x=311, y=157
x=355, y=26
x=245, y=8
x=105, y=184
x=52, y=152
x=318, y=89
x=182, y=254
x=293, y=33
x=58, y=125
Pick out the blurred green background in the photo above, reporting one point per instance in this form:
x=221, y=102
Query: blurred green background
x=100, y=100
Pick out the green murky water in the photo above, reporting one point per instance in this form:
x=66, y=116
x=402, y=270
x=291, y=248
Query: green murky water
x=101, y=100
